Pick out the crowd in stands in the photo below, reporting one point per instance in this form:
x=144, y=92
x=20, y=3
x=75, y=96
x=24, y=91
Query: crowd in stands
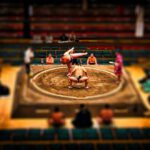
x=83, y=117
x=64, y=38
x=46, y=23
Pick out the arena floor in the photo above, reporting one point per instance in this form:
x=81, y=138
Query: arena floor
x=9, y=75
x=48, y=87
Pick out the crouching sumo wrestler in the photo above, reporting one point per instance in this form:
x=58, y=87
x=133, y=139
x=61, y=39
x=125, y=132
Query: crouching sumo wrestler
x=78, y=75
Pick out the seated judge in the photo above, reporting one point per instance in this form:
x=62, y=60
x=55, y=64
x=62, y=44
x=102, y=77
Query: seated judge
x=57, y=118
x=49, y=59
x=83, y=118
x=106, y=115
x=92, y=60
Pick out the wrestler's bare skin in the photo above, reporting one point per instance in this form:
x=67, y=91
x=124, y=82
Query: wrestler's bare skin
x=68, y=55
x=78, y=74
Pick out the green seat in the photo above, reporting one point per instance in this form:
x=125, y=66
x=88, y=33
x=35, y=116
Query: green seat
x=121, y=133
x=78, y=134
x=57, y=61
x=84, y=60
x=146, y=146
x=104, y=147
x=56, y=147
x=5, y=135
x=86, y=146
x=136, y=133
x=48, y=134
x=40, y=147
x=146, y=86
x=36, y=61
x=19, y=134
x=72, y=146
x=91, y=134
x=119, y=146
x=106, y=133
x=8, y=147
x=34, y=134
x=134, y=146
x=24, y=147
x=63, y=134
x=146, y=132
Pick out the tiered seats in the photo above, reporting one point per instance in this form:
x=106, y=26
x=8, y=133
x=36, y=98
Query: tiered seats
x=97, y=22
x=11, y=17
x=146, y=132
x=122, y=133
x=146, y=86
x=106, y=134
x=67, y=139
x=14, y=53
x=99, y=30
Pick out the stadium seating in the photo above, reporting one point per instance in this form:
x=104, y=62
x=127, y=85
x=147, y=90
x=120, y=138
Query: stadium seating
x=19, y=135
x=146, y=86
x=106, y=134
x=146, y=133
x=121, y=133
x=34, y=134
x=48, y=134
x=12, y=18
x=5, y=135
x=106, y=29
x=105, y=138
x=14, y=54
x=136, y=133
x=96, y=23
x=63, y=134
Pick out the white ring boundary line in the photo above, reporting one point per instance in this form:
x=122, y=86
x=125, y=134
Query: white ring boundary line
x=72, y=97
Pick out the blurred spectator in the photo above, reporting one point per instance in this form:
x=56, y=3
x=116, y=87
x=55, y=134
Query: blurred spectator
x=30, y=9
x=4, y=90
x=1, y=62
x=92, y=60
x=83, y=118
x=139, y=27
x=49, y=59
x=72, y=37
x=64, y=37
x=49, y=39
x=106, y=115
x=146, y=78
x=37, y=39
x=120, y=10
x=74, y=61
x=57, y=118
x=84, y=5
x=42, y=61
x=28, y=56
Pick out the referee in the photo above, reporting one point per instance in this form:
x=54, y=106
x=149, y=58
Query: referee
x=28, y=56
